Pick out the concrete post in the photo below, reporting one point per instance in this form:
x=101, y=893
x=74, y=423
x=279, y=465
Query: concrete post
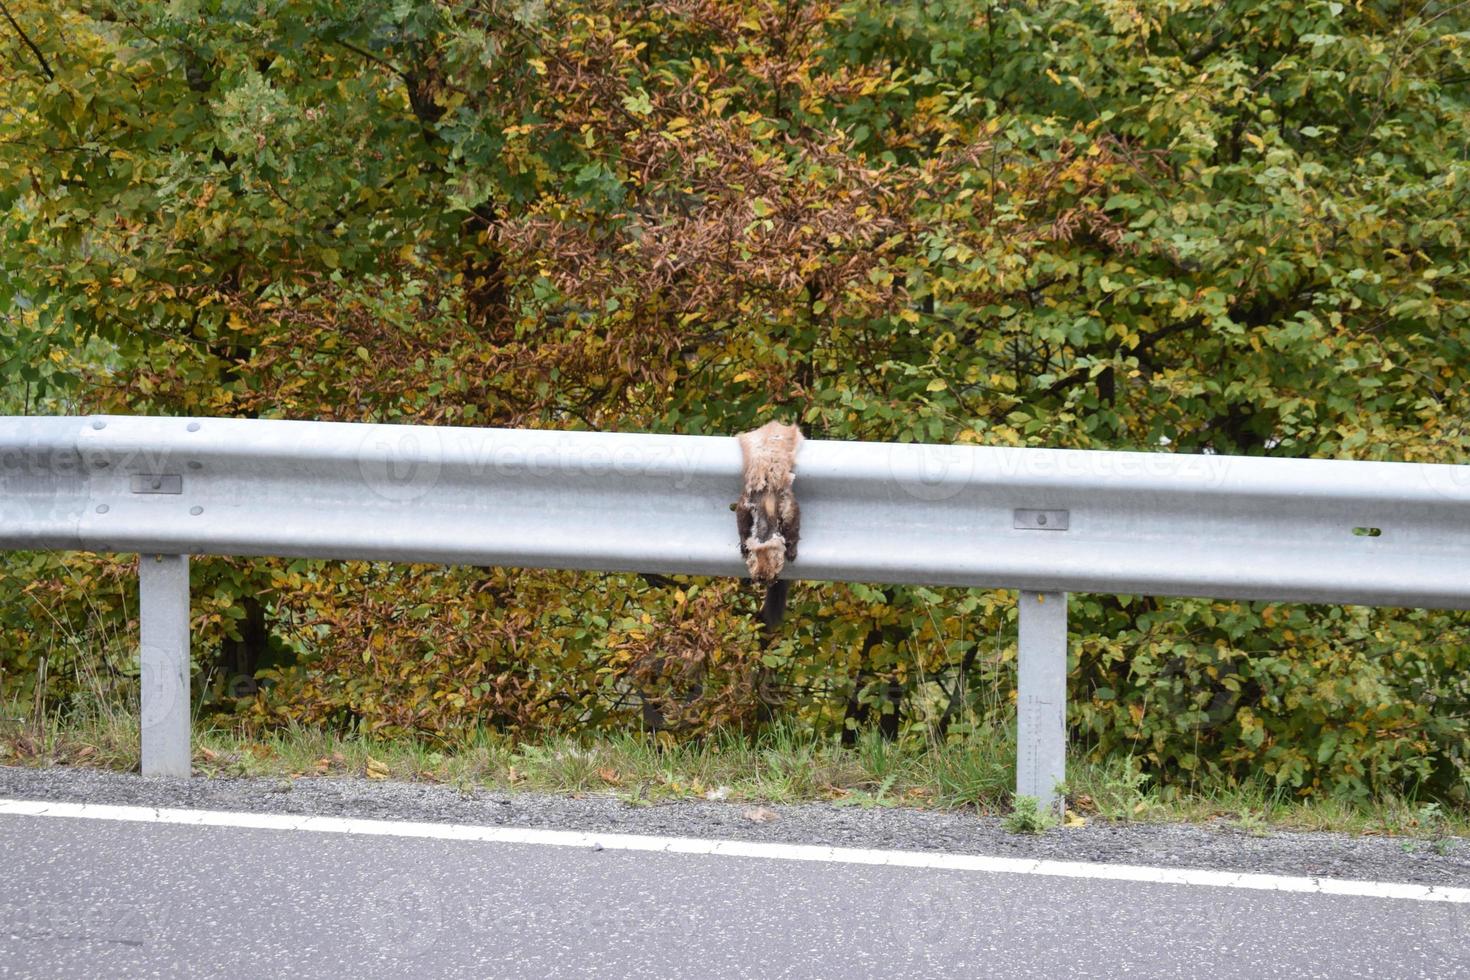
x=163, y=618
x=1041, y=697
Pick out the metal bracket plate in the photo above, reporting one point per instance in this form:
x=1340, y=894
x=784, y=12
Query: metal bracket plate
x=157, y=483
x=1040, y=520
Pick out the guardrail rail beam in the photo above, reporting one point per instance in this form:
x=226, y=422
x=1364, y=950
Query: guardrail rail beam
x=1047, y=522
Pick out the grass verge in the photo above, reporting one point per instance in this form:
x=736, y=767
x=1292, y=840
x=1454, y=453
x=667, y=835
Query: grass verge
x=777, y=766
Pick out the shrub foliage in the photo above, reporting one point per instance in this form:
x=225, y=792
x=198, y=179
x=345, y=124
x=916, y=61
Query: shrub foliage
x=1234, y=227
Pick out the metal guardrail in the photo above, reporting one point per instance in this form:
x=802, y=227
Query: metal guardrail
x=1043, y=521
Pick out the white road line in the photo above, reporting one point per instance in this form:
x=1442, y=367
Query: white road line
x=732, y=848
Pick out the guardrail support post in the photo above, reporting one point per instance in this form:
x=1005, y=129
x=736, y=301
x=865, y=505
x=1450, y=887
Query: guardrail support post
x=163, y=620
x=1041, y=697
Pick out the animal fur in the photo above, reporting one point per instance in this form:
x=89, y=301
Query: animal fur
x=766, y=515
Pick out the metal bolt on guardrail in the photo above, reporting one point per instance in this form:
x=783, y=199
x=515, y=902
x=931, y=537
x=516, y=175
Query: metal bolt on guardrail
x=1045, y=522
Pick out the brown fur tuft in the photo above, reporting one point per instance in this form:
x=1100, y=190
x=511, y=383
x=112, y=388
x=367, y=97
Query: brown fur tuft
x=766, y=516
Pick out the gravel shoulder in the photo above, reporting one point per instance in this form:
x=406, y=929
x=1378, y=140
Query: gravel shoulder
x=1210, y=846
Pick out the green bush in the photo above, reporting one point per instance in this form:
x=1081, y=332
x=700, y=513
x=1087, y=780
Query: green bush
x=1233, y=228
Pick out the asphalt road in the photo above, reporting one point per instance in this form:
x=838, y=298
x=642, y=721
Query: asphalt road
x=89, y=898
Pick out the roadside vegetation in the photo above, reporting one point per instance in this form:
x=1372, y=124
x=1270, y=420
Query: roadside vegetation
x=1223, y=228
x=778, y=765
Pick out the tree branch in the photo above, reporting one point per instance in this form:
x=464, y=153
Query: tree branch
x=40, y=58
x=369, y=56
